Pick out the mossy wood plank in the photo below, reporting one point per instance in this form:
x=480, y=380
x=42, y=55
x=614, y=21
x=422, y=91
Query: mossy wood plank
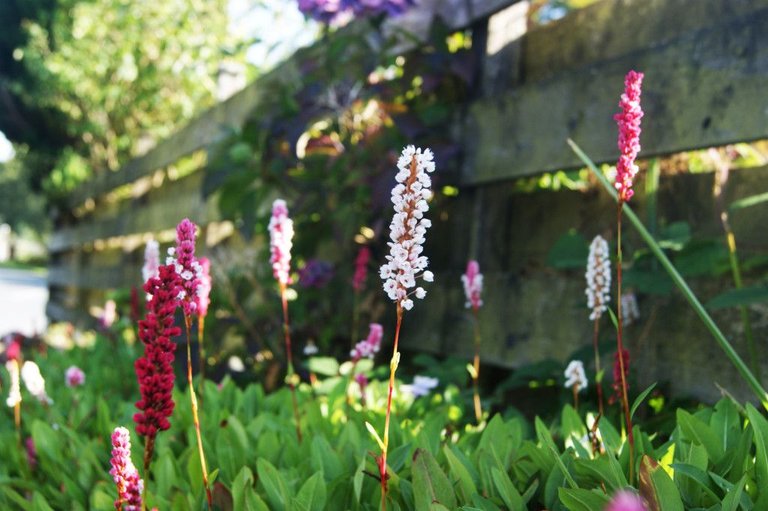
x=704, y=86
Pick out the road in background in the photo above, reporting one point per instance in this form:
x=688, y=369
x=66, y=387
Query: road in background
x=23, y=295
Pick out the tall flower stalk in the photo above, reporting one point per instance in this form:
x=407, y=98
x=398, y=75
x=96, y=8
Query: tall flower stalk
x=628, y=121
x=188, y=276
x=405, y=263
x=473, y=287
x=598, y=293
x=281, y=242
x=129, y=485
x=155, y=369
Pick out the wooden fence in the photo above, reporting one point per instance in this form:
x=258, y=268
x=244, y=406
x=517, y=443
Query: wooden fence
x=706, y=67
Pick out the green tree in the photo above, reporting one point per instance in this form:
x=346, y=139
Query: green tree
x=107, y=78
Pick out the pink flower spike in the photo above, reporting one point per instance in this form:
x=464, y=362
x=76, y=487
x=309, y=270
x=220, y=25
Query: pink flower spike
x=204, y=289
x=188, y=269
x=74, y=376
x=473, y=284
x=625, y=500
x=151, y=260
x=281, y=242
x=367, y=348
x=124, y=473
x=629, y=134
x=361, y=268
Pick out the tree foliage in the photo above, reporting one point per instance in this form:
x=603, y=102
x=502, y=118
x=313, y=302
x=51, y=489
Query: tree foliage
x=107, y=79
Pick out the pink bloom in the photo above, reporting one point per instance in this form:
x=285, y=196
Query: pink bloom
x=625, y=500
x=124, y=473
x=14, y=348
x=204, y=291
x=408, y=227
x=473, y=284
x=29, y=447
x=629, y=134
x=187, y=267
x=281, y=241
x=367, y=348
x=74, y=376
x=361, y=268
x=108, y=315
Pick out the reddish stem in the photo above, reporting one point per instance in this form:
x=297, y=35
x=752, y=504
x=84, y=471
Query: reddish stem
x=476, y=375
x=392, y=368
x=624, y=395
x=289, y=356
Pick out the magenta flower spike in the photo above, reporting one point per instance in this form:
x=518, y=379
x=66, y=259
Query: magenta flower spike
x=188, y=269
x=367, y=348
x=626, y=501
x=405, y=263
x=155, y=369
x=629, y=134
x=124, y=473
x=281, y=242
x=473, y=284
x=361, y=268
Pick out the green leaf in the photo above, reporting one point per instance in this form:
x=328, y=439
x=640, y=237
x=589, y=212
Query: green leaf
x=747, y=295
x=748, y=202
x=700, y=478
x=430, y=484
x=244, y=494
x=579, y=499
x=327, y=366
x=569, y=251
x=507, y=490
x=639, y=399
x=325, y=458
x=39, y=503
x=698, y=432
x=760, y=427
x=274, y=484
x=733, y=497
x=459, y=471
x=312, y=495
x=658, y=490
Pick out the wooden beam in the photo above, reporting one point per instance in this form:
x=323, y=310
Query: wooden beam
x=704, y=86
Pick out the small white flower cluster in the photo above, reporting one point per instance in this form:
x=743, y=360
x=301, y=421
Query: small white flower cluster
x=598, y=277
x=575, y=375
x=281, y=242
x=14, y=395
x=33, y=380
x=630, y=312
x=405, y=263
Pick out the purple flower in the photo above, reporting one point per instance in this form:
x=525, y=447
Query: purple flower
x=331, y=11
x=316, y=273
x=74, y=376
x=361, y=268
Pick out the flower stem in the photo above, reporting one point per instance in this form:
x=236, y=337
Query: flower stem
x=724, y=344
x=620, y=343
x=476, y=373
x=290, y=377
x=392, y=369
x=195, y=418
x=201, y=352
x=598, y=380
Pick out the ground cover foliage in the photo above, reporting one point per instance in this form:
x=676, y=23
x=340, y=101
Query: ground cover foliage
x=707, y=457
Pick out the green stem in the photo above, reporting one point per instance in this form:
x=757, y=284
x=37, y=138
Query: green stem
x=724, y=344
x=290, y=377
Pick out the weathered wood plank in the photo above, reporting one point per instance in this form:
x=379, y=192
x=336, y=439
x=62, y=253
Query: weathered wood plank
x=160, y=209
x=702, y=87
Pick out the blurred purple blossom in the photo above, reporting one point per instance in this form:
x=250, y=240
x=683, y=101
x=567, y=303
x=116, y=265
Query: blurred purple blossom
x=316, y=273
x=332, y=11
